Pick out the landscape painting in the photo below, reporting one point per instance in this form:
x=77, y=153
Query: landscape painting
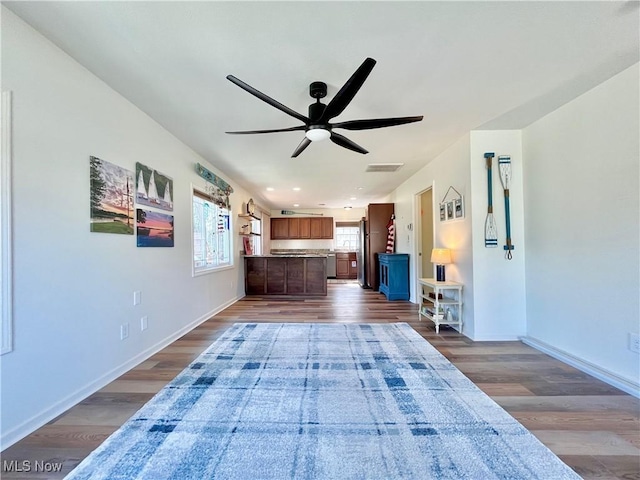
x=111, y=197
x=154, y=229
x=153, y=188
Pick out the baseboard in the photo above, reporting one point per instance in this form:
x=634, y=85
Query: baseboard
x=606, y=376
x=496, y=338
x=41, y=419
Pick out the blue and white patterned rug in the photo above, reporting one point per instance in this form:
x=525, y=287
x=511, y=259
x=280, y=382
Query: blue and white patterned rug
x=321, y=401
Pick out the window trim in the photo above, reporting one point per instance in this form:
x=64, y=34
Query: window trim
x=199, y=192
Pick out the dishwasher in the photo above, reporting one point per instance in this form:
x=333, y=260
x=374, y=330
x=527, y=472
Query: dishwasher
x=331, y=265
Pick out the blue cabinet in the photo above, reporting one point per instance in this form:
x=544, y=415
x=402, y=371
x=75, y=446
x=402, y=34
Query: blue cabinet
x=394, y=275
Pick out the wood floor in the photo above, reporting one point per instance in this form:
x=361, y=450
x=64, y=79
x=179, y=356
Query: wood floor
x=592, y=427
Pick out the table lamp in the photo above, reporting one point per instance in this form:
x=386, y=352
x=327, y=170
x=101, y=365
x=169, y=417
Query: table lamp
x=440, y=256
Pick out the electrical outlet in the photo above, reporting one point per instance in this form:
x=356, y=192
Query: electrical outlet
x=634, y=342
x=137, y=297
x=144, y=323
x=124, y=331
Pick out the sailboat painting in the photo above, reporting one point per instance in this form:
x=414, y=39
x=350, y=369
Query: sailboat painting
x=153, y=188
x=154, y=229
x=111, y=197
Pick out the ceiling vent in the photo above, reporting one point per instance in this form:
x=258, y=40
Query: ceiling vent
x=383, y=167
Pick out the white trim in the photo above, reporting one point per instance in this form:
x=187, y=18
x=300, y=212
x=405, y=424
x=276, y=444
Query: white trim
x=197, y=272
x=29, y=426
x=6, y=227
x=628, y=386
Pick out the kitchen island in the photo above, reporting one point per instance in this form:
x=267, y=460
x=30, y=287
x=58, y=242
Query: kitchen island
x=285, y=274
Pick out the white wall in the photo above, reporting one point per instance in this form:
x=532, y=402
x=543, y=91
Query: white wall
x=582, y=210
x=451, y=168
x=72, y=288
x=499, y=291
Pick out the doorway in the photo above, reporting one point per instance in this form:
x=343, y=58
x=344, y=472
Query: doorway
x=424, y=233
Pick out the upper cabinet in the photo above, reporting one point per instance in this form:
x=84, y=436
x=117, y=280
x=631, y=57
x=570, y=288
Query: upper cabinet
x=279, y=228
x=309, y=228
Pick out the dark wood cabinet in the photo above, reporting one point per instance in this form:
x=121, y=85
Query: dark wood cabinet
x=305, y=227
x=346, y=265
x=353, y=265
x=279, y=228
x=294, y=228
x=312, y=228
x=276, y=271
x=378, y=216
x=342, y=265
x=327, y=227
x=285, y=275
x=316, y=227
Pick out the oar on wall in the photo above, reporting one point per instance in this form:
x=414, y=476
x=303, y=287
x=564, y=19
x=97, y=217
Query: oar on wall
x=504, y=164
x=291, y=212
x=490, y=228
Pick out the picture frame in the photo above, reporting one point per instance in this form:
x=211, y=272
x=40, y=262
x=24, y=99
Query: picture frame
x=450, y=210
x=246, y=243
x=443, y=212
x=154, y=229
x=458, y=208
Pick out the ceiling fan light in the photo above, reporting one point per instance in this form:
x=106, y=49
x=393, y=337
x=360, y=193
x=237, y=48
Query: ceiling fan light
x=317, y=134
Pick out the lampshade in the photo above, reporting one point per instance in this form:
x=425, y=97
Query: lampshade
x=317, y=134
x=440, y=256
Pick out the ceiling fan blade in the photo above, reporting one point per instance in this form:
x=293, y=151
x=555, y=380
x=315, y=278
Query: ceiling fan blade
x=275, y=130
x=267, y=99
x=348, y=91
x=303, y=144
x=346, y=143
x=375, y=123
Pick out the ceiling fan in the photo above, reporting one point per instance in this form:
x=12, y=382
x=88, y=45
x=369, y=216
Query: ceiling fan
x=316, y=125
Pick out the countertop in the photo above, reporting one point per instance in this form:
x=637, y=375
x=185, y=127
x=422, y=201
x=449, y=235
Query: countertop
x=290, y=255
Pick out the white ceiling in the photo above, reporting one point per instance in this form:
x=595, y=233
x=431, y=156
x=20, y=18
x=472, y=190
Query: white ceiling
x=463, y=65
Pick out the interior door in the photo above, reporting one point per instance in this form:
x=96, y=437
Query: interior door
x=424, y=233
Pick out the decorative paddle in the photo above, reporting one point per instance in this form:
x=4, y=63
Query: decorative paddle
x=291, y=212
x=490, y=228
x=504, y=164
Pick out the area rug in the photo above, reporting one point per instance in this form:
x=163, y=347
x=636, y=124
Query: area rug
x=321, y=401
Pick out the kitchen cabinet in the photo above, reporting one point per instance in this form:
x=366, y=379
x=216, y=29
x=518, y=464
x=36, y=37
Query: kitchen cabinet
x=308, y=228
x=346, y=265
x=294, y=228
x=285, y=275
x=316, y=227
x=305, y=227
x=327, y=227
x=279, y=228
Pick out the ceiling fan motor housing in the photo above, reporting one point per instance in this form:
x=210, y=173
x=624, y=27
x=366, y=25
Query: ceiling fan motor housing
x=318, y=89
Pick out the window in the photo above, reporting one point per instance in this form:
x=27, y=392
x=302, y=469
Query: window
x=347, y=236
x=211, y=234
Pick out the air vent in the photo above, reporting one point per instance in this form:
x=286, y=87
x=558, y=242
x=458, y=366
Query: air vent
x=383, y=167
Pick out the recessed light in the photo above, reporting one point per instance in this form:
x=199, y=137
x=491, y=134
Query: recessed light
x=296, y=189
x=360, y=188
x=353, y=198
x=296, y=204
x=270, y=189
